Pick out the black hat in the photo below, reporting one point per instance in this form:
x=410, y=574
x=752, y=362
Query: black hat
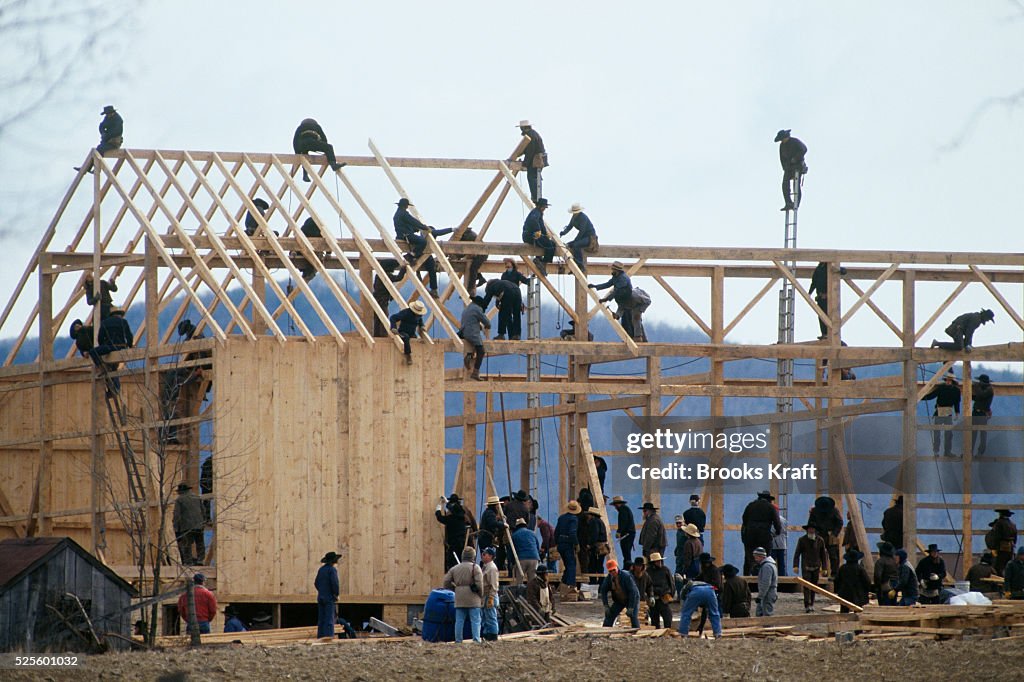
x=109, y=109
x=542, y=203
x=71, y=332
x=521, y=495
x=987, y=314
x=479, y=300
x=186, y=328
x=810, y=526
x=983, y=378
x=885, y=548
x=933, y=548
x=852, y=556
x=648, y=506
x=230, y=610
x=182, y=487
x=695, y=496
x=639, y=561
x=705, y=558
x=454, y=497
x=824, y=503
x=199, y=578
x=260, y=203
x=728, y=570
x=389, y=264
x=986, y=558
x=330, y=558
x=1004, y=512
x=765, y=495
x=782, y=135
x=404, y=202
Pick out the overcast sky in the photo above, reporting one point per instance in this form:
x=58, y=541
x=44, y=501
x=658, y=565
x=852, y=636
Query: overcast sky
x=658, y=116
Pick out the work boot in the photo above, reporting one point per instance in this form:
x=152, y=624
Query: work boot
x=408, y=358
x=433, y=293
x=467, y=361
x=541, y=267
x=476, y=376
x=499, y=337
x=787, y=207
x=305, y=175
x=935, y=344
x=338, y=166
x=514, y=338
x=808, y=609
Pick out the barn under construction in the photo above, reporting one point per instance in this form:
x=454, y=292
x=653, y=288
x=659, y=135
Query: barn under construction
x=308, y=427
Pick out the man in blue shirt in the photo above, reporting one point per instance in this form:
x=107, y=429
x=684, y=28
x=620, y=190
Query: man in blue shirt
x=585, y=234
x=327, y=591
x=111, y=133
x=232, y=623
x=695, y=595
x=527, y=549
x=536, y=234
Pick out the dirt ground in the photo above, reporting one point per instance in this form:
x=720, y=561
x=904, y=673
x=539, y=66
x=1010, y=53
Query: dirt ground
x=569, y=659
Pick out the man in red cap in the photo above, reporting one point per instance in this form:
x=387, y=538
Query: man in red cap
x=624, y=595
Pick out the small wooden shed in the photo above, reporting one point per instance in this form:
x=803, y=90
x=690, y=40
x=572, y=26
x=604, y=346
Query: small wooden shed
x=52, y=591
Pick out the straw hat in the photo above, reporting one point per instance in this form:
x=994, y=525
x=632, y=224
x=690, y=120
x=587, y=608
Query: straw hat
x=691, y=530
x=617, y=265
x=655, y=556
x=418, y=307
x=573, y=507
x=525, y=123
x=493, y=499
x=576, y=208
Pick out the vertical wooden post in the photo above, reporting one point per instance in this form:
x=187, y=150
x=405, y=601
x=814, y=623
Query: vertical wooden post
x=524, y=455
x=366, y=305
x=967, y=396
x=467, y=464
x=45, y=392
x=651, y=487
x=259, y=285
x=153, y=408
x=717, y=404
x=908, y=479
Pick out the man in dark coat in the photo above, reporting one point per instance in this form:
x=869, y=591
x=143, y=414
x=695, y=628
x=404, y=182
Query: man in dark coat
x=381, y=295
x=115, y=334
x=622, y=291
x=535, y=233
x=826, y=518
x=791, y=155
x=471, y=264
x=510, y=307
x=535, y=158
x=1013, y=577
x=585, y=238
x=652, y=533
x=104, y=298
x=452, y=516
x=519, y=507
x=892, y=523
x=597, y=539
x=82, y=335
x=407, y=323
x=1004, y=533
x=471, y=328
x=810, y=555
x=962, y=329
x=696, y=515
x=619, y=585
x=567, y=539
x=947, y=403
x=819, y=289
x=251, y=224
x=327, y=591
x=977, y=573
x=638, y=569
x=981, y=411
x=408, y=228
x=886, y=570
x=111, y=133
x=188, y=521
x=931, y=563
x=625, y=529
x=492, y=528
x=664, y=586
x=906, y=582
x=310, y=137
x=709, y=573
x=852, y=582
x=760, y=522
x=735, y=593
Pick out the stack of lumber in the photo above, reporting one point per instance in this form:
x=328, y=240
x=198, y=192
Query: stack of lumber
x=941, y=621
x=283, y=636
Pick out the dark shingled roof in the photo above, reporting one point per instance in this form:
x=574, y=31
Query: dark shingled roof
x=23, y=555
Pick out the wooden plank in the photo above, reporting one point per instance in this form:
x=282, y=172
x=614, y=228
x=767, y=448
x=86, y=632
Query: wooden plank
x=1014, y=315
x=825, y=593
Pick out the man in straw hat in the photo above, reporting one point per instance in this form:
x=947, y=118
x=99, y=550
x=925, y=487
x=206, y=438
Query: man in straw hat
x=327, y=591
x=535, y=158
x=619, y=585
x=664, y=586
x=625, y=528
x=947, y=403
x=767, y=582
x=188, y=520
x=688, y=552
x=406, y=323
x=492, y=527
x=566, y=539
x=962, y=329
x=652, y=533
x=622, y=291
x=586, y=236
x=535, y=232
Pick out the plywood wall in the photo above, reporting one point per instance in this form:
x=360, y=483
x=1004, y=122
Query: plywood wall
x=321, y=448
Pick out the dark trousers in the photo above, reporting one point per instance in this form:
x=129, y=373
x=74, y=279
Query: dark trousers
x=611, y=614
x=476, y=359
x=576, y=246
x=811, y=576
x=791, y=187
x=626, y=545
x=822, y=302
x=111, y=143
x=780, y=559
x=545, y=242
x=1002, y=558
x=187, y=540
x=430, y=265
x=510, y=315
x=406, y=347
x=309, y=143
x=980, y=419
x=325, y=611
x=533, y=179
x=661, y=611
x=945, y=434
x=568, y=553
x=380, y=330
